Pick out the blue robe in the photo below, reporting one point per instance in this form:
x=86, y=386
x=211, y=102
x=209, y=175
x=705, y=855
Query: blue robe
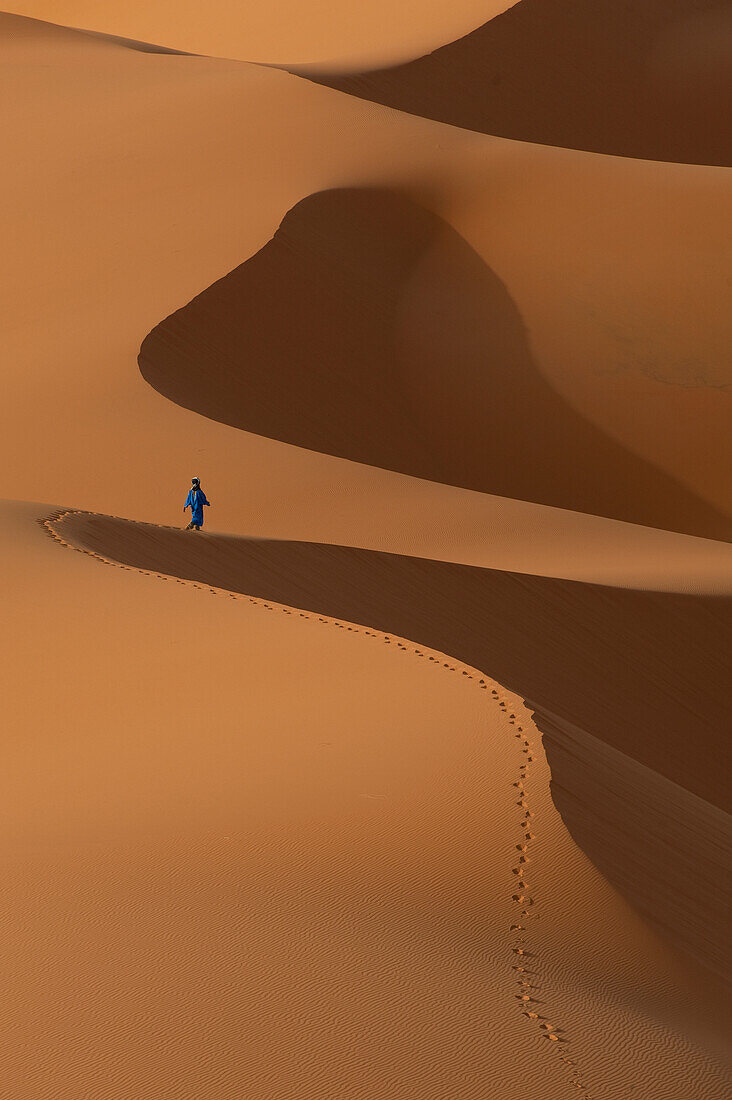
x=195, y=501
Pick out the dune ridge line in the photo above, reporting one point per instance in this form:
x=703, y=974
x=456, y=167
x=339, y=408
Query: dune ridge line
x=527, y=979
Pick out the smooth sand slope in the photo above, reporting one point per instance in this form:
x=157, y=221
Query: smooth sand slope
x=253, y=854
x=636, y=80
x=614, y=268
x=361, y=32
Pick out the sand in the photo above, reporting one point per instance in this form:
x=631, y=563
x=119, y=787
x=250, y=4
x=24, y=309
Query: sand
x=620, y=295
x=234, y=869
x=363, y=32
x=407, y=776
x=633, y=80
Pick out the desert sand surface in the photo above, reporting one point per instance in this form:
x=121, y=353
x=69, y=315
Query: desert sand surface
x=288, y=855
x=406, y=777
x=635, y=80
x=620, y=295
x=362, y=32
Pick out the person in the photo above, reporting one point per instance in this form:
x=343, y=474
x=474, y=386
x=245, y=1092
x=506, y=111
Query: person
x=195, y=501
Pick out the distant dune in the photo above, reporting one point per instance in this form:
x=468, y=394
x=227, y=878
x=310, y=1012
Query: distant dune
x=369, y=329
x=612, y=296
x=635, y=80
x=360, y=32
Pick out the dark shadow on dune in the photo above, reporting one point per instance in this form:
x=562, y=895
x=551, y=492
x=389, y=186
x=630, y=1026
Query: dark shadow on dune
x=624, y=684
x=668, y=851
x=640, y=80
x=367, y=328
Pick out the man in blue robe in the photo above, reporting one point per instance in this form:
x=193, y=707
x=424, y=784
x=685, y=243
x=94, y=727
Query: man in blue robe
x=195, y=501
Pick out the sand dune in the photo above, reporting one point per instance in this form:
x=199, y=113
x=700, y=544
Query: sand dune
x=278, y=816
x=634, y=80
x=257, y=854
x=555, y=643
x=369, y=329
x=619, y=293
x=363, y=32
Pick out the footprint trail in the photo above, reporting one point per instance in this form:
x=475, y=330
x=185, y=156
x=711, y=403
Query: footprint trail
x=530, y=996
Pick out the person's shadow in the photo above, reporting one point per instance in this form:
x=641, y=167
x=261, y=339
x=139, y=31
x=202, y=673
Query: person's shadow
x=367, y=328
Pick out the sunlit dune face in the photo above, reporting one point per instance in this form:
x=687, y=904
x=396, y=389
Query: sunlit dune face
x=356, y=33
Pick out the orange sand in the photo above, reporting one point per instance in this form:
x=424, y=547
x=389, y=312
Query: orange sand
x=258, y=854
x=637, y=80
x=411, y=780
x=365, y=32
x=620, y=294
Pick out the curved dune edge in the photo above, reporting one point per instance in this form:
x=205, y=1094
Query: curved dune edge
x=579, y=654
x=529, y=995
x=371, y=32
x=632, y=80
x=367, y=328
x=608, y=801
x=587, y=251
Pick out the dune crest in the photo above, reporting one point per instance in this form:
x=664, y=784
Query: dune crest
x=614, y=285
x=361, y=32
x=634, y=80
x=317, y=901
x=555, y=644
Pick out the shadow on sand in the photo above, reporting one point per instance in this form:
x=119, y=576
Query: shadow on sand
x=634, y=729
x=634, y=80
x=367, y=328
